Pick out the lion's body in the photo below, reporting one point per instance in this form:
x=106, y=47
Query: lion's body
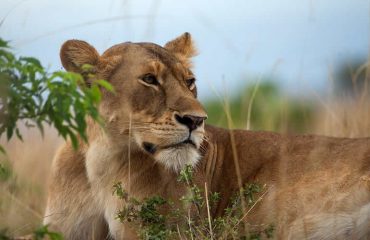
x=316, y=187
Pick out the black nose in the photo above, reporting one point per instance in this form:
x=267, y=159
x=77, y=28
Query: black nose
x=192, y=122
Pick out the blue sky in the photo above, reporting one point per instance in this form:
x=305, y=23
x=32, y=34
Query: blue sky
x=297, y=43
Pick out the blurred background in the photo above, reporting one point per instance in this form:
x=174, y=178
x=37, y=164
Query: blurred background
x=280, y=65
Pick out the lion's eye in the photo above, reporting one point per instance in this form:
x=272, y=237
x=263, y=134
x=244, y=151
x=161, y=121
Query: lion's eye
x=190, y=83
x=150, y=79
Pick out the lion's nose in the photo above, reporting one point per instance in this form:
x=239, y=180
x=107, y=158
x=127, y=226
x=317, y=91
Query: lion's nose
x=192, y=122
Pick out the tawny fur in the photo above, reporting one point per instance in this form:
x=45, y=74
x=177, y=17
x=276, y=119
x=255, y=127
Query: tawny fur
x=316, y=187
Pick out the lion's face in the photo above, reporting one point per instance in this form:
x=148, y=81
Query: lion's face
x=155, y=96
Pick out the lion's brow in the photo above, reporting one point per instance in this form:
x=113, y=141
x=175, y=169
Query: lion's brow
x=160, y=53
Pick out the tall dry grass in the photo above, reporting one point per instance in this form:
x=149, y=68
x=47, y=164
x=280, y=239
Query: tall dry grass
x=348, y=115
x=344, y=118
x=23, y=193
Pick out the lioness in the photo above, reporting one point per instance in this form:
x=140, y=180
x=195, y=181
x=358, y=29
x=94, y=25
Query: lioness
x=317, y=187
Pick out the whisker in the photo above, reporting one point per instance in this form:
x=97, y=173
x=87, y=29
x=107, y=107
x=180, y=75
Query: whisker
x=205, y=140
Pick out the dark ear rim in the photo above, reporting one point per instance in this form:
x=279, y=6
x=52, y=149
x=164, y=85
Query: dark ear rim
x=75, y=53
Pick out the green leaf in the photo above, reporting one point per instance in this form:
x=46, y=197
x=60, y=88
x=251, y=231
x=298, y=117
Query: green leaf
x=87, y=68
x=3, y=232
x=31, y=60
x=2, y=150
x=5, y=171
x=43, y=232
x=40, y=127
x=95, y=94
x=105, y=85
x=9, y=132
x=3, y=43
x=18, y=134
x=73, y=139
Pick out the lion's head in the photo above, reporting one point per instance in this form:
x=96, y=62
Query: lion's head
x=155, y=98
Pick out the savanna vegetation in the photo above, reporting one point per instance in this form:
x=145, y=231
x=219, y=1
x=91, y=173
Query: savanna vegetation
x=38, y=109
x=33, y=98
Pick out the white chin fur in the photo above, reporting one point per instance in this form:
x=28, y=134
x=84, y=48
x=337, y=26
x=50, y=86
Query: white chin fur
x=177, y=158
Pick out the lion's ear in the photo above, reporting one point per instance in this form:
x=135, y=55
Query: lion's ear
x=182, y=47
x=75, y=53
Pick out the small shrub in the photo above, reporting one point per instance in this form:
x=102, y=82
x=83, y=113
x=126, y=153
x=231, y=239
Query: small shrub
x=43, y=232
x=150, y=222
x=31, y=94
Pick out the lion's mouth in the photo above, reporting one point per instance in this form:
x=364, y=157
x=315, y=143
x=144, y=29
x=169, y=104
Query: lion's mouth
x=152, y=148
x=149, y=147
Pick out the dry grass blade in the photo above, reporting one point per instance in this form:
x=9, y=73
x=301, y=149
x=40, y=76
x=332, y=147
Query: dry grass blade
x=208, y=211
x=189, y=224
x=250, y=209
x=234, y=151
x=250, y=104
x=129, y=154
x=23, y=205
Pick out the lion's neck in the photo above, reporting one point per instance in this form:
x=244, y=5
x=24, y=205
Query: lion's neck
x=230, y=161
x=108, y=162
x=141, y=176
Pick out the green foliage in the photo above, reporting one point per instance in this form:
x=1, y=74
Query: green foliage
x=269, y=231
x=119, y=191
x=8, y=180
x=186, y=175
x=60, y=99
x=249, y=192
x=43, y=232
x=153, y=221
x=270, y=110
x=3, y=234
x=156, y=218
x=145, y=213
x=5, y=171
x=39, y=234
x=196, y=196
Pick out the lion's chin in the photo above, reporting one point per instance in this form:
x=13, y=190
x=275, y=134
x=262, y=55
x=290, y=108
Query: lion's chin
x=177, y=158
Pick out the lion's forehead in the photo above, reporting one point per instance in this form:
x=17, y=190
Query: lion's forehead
x=148, y=55
x=157, y=52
